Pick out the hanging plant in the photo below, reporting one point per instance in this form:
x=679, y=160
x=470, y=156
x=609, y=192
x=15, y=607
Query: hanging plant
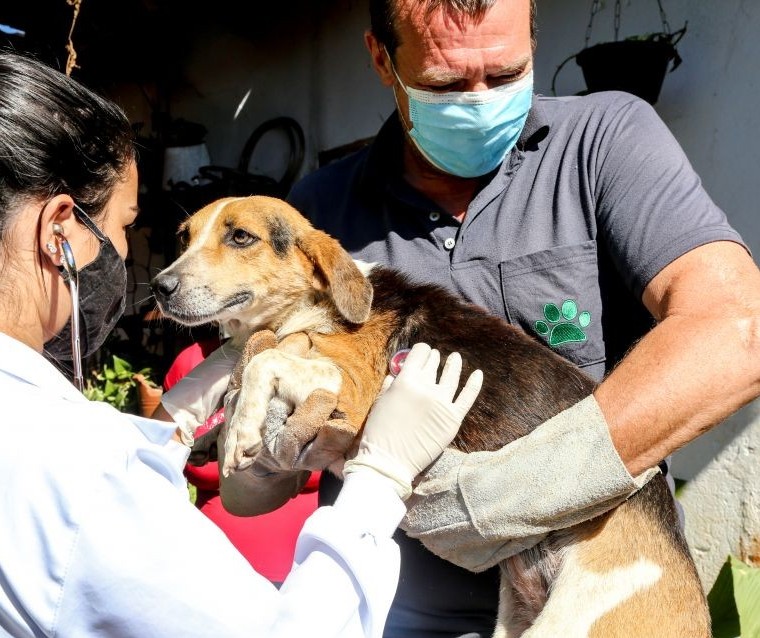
x=637, y=64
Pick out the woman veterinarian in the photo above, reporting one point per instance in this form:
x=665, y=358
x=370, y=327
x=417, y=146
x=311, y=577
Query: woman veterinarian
x=98, y=536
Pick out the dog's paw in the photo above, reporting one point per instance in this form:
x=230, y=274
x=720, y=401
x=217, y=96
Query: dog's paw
x=241, y=443
x=238, y=454
x=331, y=445
x=313, y=437
x=257, y=342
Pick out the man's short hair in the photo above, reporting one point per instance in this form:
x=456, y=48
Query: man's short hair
x=383, y=14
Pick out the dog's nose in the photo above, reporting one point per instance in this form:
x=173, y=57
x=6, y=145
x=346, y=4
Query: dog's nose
x=164, y=286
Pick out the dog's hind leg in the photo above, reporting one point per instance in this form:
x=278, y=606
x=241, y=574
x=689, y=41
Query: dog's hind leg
x=580, y=597
x=504, y=619
x=268, y=374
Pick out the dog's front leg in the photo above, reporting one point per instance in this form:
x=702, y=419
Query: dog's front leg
x=270, y=373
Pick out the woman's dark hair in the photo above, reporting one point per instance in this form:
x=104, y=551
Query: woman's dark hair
x=57, y=136
x=383, y=14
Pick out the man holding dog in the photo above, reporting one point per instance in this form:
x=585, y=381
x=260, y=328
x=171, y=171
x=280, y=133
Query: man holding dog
x=578, y=219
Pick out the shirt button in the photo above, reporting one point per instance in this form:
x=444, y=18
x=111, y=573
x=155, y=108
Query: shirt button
x=434, y=217
x=449, y=243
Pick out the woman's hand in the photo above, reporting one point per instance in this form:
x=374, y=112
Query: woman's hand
x=415, y=418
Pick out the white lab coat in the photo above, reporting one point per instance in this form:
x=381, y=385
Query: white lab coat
x=98, y=537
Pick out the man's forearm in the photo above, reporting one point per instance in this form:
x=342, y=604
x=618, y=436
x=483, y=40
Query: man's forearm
x=670, y=389
x=700, y=364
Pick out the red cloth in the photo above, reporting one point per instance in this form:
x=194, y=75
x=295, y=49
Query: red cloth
x=268, y=541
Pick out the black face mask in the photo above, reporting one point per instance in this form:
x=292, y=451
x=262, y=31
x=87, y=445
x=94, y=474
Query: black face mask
x=102, y=289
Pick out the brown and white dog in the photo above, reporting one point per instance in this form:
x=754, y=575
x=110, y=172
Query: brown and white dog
x=255, y=263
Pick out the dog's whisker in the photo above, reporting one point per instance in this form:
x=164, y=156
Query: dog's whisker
x=139, y=302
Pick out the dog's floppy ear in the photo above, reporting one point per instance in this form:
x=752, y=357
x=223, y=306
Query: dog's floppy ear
x=349, y=289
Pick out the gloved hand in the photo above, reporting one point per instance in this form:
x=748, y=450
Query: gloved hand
x=266, y=485
x=415, y=418
x=199, y=393
x=312, y=438
x=476, y=509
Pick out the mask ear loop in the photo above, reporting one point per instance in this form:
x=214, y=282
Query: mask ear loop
x=72, y=278
x=407, y=126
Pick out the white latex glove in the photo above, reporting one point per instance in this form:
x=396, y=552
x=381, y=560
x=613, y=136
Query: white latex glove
x=198, y=394
x=416, y=417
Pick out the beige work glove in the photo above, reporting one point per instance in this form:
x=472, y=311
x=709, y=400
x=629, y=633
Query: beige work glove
x=415, y=418
x=476, y=509
x=266, y=485
x=199, y=393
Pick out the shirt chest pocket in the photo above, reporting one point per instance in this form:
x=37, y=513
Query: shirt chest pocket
x=554, y=295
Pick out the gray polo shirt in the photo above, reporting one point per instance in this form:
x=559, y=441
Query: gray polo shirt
x=596, y=198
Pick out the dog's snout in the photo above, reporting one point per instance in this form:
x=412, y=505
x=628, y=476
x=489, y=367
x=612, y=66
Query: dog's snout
x=164, y=285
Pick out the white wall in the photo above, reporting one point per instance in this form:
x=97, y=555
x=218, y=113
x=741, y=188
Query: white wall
x=710, y=102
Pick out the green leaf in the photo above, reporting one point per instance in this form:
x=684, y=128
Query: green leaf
x=723, y=612
x=734, y=601
x=747, y=594
x=122, y=367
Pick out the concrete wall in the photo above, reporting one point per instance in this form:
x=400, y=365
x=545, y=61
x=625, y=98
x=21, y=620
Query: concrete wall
x=310, y=63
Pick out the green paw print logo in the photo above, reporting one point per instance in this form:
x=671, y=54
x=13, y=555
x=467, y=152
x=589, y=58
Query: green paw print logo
x=559, y=324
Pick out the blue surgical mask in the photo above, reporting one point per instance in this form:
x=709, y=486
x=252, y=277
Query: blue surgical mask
x=468, y=134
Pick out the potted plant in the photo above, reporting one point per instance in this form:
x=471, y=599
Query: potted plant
x=120, y=386
x=637, y=64
x=148, y=393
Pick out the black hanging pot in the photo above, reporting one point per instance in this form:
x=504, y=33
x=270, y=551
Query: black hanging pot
x=637, y=66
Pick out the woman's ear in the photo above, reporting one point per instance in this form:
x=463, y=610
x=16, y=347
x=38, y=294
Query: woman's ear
x=56, y=221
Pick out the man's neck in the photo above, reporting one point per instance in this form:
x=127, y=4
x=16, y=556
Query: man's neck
x=453, y=194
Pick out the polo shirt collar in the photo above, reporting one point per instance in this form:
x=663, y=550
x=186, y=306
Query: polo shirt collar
x=384, y=159
x=536, y=126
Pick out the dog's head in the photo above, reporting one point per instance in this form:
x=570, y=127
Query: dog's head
x=256, y=260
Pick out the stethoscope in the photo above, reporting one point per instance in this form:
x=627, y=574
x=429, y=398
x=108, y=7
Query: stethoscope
x=70, y=267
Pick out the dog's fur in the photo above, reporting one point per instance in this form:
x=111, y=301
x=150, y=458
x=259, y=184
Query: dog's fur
x=255, y=263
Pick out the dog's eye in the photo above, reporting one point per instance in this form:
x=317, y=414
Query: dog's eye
x=242, y=237
x=183, y=236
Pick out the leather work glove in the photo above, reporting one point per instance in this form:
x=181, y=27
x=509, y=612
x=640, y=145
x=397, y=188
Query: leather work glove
x=311, y=438
x=414, y=419
x=266, y=485
x=293, y=445
x=477, y=509
x=199, y=393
